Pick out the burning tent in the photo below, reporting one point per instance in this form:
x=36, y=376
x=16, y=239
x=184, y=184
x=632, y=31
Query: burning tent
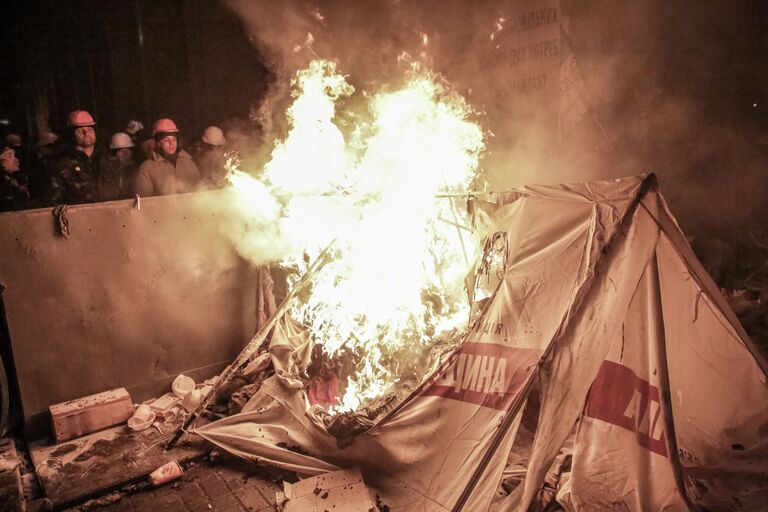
x=589, y=301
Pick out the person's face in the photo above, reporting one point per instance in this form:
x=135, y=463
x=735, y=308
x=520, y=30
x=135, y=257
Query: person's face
x=9, y=161
x=168, y=144
x=123, y=154
x=85, y=136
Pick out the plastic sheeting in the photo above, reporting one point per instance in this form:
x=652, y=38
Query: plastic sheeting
x=598, y=293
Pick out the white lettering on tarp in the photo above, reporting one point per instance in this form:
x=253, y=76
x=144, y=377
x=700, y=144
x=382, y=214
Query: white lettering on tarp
x=484, y=382
x=475, y=372
x=485, y=374
x=458, y=371
x=641, y=416
x=489, y=328
x=500, y=377
x=471, y=371
x=633, y=407
x=620, y=397
x=658, y=425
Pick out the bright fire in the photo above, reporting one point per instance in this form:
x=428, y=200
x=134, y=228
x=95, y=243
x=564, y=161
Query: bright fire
x=369, y=183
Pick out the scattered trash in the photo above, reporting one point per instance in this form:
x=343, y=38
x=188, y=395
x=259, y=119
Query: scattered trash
x=165, y=402
x=182, y=385
x=240, y=397
x=170, y=415
x=103, y=501
x=192, y=400
x=166, y=473
x=142, y=418
x=345, y=426
x=205, y=390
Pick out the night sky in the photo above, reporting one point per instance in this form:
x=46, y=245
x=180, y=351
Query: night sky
x=87, y=53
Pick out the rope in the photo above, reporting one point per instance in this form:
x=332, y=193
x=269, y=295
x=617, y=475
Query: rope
x=62, y=222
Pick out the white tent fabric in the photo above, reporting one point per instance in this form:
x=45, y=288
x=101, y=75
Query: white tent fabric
x=603, y=303
x=621, y=453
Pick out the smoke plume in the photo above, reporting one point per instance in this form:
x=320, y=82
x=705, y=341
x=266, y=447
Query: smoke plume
x=664, y=87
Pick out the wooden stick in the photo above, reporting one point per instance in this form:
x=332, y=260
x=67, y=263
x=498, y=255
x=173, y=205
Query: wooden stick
x=458, y=230
x=468, y=193
x=253, y=345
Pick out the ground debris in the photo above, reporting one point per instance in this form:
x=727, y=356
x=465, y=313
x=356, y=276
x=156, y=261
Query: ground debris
x=345, y=426
x=102, y=501
x=380, y=505
x=295, y=449
x=343, y=489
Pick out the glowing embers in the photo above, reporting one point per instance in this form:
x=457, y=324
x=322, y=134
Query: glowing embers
x=369, y=181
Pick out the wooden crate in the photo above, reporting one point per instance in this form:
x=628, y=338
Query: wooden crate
x=91, y=413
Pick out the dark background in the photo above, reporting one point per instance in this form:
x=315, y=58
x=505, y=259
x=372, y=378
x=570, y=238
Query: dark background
x=132, y=59
x=713, y=52
x=678, y=88
x=192, y=61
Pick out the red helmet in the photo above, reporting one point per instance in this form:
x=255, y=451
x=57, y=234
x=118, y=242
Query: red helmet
x=78, y=118
x=164, y=125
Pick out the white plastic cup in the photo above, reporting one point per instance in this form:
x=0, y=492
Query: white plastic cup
x=166, y=473
x=192, y=400
x=142, y=418
x=182, y=385
x=171, y=414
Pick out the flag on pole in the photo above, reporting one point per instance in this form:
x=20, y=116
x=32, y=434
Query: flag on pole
x=571, y=84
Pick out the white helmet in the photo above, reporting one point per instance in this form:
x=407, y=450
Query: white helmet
x=121, y=140
x=214, y=136
x=133, y=127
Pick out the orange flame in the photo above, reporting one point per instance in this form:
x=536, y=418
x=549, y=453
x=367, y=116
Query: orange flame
x=397, y=276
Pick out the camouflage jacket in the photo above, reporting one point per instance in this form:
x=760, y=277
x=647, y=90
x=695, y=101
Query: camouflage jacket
x=13, y=194
x=117, y=180
x=75, y=178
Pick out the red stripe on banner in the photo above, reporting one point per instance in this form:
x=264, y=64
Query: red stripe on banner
x=618, y=396
x=484, y=374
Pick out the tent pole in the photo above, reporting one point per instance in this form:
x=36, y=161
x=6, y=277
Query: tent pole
x=648, y=182
x=458, y=231
x=252, y=345
x=496, y=441
x=665, y=396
